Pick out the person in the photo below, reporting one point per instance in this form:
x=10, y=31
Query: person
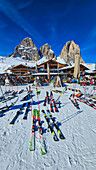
x=6, y=82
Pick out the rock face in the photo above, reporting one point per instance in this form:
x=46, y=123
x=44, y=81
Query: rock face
x=68, y=52
x=27, y=50
x=46, y=51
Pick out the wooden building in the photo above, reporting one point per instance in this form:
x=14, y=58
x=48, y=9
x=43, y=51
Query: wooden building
x=53, y=65
x=70, y=69
x=21, y=69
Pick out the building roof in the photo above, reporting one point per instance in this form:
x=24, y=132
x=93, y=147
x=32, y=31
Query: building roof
x=69, y=67
x=20, y=65
x=44, y=60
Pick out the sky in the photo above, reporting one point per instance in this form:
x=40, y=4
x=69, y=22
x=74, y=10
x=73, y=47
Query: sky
x=49, y=21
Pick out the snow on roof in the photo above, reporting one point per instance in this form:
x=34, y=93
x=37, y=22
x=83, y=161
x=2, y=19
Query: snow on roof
x=41, y=61
x=60, y=60
x=8, y=62
x=67, y=67
x=11, y=61
x=90, y=66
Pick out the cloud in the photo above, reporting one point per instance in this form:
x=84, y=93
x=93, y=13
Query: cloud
x=23, y=3
x=88, y=47
x=12, y=12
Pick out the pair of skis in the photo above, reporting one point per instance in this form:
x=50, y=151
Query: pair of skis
x=87, y=102
x=17, y=114
x=42, y=141
x=51, y=101
x=32, y=143
x=74, y=101
x=26, y=112
x=5, y=108
x=50, y=127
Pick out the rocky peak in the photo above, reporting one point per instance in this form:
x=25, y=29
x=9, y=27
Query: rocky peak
x=68, y=52
x=27, y=50
x=46, y=51
x=28, y=42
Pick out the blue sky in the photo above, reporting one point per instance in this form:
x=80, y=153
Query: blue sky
x=49, y=21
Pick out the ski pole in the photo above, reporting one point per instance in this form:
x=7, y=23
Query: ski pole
x=38, y=92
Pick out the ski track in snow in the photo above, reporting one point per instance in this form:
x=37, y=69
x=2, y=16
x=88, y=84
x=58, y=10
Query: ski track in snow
x=76, y=152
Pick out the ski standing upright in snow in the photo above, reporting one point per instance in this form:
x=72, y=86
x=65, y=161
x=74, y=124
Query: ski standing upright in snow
x=32, y=142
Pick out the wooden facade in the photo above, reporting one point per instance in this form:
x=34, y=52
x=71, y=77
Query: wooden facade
x=21, y=69
x=52, y=65
x=70, y=69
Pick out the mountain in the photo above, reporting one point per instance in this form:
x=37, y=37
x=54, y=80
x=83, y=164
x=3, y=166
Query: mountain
x=46, y=51
x=68, y=52
x=27, y=50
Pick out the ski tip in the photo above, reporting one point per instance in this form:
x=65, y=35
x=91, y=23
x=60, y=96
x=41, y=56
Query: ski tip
x=10, y=124
x=43, y=111
x=32, y=149
x=61, y=136
x=43, y=152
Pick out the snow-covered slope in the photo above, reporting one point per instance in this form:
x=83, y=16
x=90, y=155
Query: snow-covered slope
x=76, y=152
x=6, y=62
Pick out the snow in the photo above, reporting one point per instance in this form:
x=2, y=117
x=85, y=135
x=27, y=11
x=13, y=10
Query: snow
x=76, y=152
x=91, y=66
x=41, y=61
x=11, y=61
x=6, y=62
x=34, y=48
x=51, y=51
x=60, y=60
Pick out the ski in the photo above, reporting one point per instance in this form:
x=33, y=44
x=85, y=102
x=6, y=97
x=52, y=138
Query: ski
x=60, y=95
x=54, y=104
x=51, y=107
x=9, y=98
x=2, y=98
x=50, y=126
x=56, y=110
x=44, y=104
x=74, y=89
x=57, y=91
x=25, y=97
x=75, y=103
x=61, y=136
x=3, y=107
x=42, y=141
x=47, y=97
x=87, y=102
x=32, y=142
x=26, y=112
x=17, y=114
x=8, y=107
x=21, y=91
